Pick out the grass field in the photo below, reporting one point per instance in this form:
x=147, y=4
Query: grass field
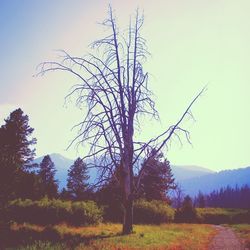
x=221, y=211
x=108, y=237
x=243, y=230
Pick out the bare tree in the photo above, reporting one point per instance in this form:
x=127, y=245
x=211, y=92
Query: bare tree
x=114, y=88
x=178, y=196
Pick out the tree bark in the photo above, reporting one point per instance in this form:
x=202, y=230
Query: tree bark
x=128, y=216
x=127, y=186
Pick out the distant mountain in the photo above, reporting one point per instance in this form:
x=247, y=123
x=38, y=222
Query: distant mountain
x=188, y=172
x=191, y=178
x=215, y=181
x=62, y=164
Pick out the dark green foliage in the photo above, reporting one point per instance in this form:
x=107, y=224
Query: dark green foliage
x=50, y=234
x=64, y=194
x=187, y=212
x=28, y=186
x=46, y=173
x=15, y=153
x=27, y=238
x=230, y=198
x=110, y=197
x=47, y=212
x=157, y=179
x=15, y=143
x=241, y=218
x=153, y=212
x=77, y=185
x=200, y=200
x=222, y=216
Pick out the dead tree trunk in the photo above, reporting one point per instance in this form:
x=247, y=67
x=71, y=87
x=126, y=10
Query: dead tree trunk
x=128, y=215
x=114, y=92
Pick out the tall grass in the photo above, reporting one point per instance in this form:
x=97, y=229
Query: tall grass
x=108, y=237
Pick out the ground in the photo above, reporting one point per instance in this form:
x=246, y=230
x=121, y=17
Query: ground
x=226, y=239
x=243, y=232
x=108, y=237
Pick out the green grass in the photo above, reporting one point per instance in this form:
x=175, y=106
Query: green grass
x=243, y=230
x=108, y=237
x=221, y=215
x=221, y=211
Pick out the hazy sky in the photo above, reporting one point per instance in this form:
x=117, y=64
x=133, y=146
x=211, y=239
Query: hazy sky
x=192, y=42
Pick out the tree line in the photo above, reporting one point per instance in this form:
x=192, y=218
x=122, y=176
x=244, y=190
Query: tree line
x=227, y=197
x=21, y=178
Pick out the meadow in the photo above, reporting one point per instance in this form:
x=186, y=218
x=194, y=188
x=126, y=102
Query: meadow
x=58, y=224
x=107, y=237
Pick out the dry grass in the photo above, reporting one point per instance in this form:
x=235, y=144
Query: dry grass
x=108, y=237
x=243, y=230
x=18, y=227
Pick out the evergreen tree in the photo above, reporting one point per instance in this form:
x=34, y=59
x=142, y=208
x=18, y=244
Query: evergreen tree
x=157, y=179
x=15, y=153
x=46, y=173
x=228, y=197
x=187, y=212
x=15, y=142
x=28, y=186
x=64, y=194
x=200, y=200
x=77, y=180
x=110, y=197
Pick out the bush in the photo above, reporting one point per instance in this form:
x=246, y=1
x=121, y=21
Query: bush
x=241, y=217
x=46, y=212
x=187, y=213
x=113, y=213
x=222, y=215
x=152, y=212
x=85, y=213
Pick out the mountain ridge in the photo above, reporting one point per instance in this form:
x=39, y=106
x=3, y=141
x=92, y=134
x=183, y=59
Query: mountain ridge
x=215, y=181
x=191, y=178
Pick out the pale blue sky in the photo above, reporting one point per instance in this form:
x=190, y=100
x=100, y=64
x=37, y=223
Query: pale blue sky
x=192, y=43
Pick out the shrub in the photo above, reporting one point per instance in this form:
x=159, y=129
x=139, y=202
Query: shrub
x=152, y=212
x=51, y=234
x=85, y=213
x=45, y=212
x=243, y=216
x=187, y=212
x=222, y=215
x=113, y=213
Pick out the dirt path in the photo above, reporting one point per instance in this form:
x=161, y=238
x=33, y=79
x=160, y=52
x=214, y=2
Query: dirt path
x=226, y=240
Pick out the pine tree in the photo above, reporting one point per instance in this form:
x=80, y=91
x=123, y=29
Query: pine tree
x=46, y=173
x=110, y=197
x=77, y=180
x=15, y=152
x=187, y=212
x=15, y=143
x=64, y=194
x=157, y=179
x=200, y=200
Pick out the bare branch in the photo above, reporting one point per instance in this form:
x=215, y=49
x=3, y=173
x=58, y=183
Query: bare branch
x=113, y=88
